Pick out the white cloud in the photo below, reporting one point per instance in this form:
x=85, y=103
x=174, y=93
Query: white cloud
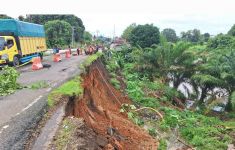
x=213, y=16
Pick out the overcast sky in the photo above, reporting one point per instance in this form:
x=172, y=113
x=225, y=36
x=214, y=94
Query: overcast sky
x=213, y=16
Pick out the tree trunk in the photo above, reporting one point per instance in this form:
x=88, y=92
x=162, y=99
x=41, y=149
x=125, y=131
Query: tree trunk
x=229, y=106
x=203, y=96
x=176, y=83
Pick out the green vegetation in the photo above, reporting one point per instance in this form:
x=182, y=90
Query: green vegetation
x=64, y=135
x=131, y=113
x=203, y=62
x=144, y=35
x=90, y=60
x=170, y=35
x=162, y=145
x=8, y=81
x=4, y=17
x=198, y=130
x=193, y=36
x=199, y=65
x=221, y=42
x=70, y=88
x=73, y=21
x=128, y=31
x=87, y=36
x=232, y=31
x=39, y=85
x=62, y=36
x=115, y=83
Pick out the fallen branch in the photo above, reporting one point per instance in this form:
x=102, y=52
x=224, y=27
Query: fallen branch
x=179, y=103
x=159, y=114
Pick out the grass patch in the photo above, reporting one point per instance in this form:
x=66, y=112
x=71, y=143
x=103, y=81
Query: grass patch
x=162, y=145
x=89, y=60
x=65, y=133
x=70, y=88
x=39, y=85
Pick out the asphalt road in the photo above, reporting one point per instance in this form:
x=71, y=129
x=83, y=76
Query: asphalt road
x=20, y=112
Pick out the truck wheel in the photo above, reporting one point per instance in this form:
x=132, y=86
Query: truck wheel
x=16, y=61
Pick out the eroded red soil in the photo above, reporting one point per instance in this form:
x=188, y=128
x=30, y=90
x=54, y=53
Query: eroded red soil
x=100, y=108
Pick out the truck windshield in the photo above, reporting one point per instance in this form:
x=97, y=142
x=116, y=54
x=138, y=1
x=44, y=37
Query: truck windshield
x=2, y=41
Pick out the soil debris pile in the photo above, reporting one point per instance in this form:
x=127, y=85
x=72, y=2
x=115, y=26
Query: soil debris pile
x=100, y=108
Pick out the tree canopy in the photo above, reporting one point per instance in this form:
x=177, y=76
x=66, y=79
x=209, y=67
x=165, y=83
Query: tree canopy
x=87, y=37
x=5, y=17
x=145, y=35
x=58, y=33
x=221, y=41
x=206, y=37
x=193, y=36
x=232, y=31
x=73, y=20
x=206, y=63
x=127, y=32
x=170, y=35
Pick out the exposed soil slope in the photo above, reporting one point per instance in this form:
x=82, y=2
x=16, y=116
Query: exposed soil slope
x=100, y=108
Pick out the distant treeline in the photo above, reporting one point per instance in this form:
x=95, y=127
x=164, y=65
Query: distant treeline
x=58, y=27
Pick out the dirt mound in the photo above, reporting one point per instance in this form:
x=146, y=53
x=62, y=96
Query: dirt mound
x=100, y=108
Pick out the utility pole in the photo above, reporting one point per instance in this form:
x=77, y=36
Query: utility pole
x=72, y=44
x=97, y=33
x=29, y=16
x=114, y=31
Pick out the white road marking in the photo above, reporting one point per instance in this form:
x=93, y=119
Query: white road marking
x=4, y=127
x=31, y=104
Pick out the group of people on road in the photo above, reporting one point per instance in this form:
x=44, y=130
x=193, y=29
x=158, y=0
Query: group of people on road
x=88, y=49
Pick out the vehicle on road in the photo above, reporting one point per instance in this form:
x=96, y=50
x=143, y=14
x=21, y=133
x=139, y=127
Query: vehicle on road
x=20, y=41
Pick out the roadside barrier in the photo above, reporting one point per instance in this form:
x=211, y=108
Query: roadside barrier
x=37, y=63
x=56, y=57
x=67, y=54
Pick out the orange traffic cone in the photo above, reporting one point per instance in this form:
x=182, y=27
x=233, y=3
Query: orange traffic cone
x=56, y=57
x=37, y=64
x=67, y=54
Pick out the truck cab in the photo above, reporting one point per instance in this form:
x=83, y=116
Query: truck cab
x=8, y=50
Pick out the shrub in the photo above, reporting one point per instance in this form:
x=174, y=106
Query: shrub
x=115, y=83
x=8, y=80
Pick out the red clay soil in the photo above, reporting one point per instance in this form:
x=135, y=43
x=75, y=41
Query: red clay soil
x=100, y=108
